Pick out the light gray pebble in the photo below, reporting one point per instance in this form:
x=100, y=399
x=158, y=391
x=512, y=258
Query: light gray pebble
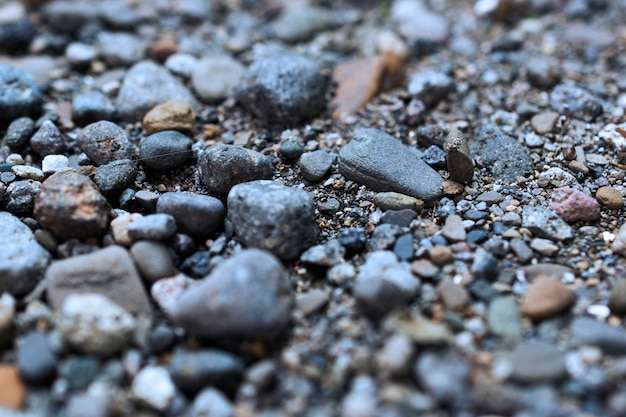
x=316, y=165
x=575, y=102
x=444, y=374
x=120, y=48
x=28, y=172
x=181, y=64
x=512, y=219
x=535, y=362
x=522, y=251
x=157, y=227
x=194, y=369
x=504, y=318
x=385, y=265
x=430, y=86
x=341, y=273
x=587, y=331
x=214, y=78
x=299, y=23
x=80, y=54
x=545, y=223
x=362, y=399
x=153, y=387
x=153, y=260
x=328, y=254
x=53, y=163
x=211, y=403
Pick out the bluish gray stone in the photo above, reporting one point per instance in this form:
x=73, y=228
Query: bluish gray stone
x=383, y=163
x=115, y=176
x=165, y=150
x=575, y=102
x=20, y=196
x=587, y=331
x=315, y=165
x=35, y=360
x=535, y=362
x=430, y=86
x=120, y=48
x=192, y=370
x=19, y=132
x=19, y=94
x=91, y=106
x=215, y=78
x=196, y=215
x=153, y=259
x=505, y=319
x=47, y=140
x=300, y=22
x=158, y=227
x=271, y=216
x=22, y=259
x=444, y=374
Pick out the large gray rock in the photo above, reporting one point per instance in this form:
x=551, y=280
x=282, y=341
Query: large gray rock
x=535, y=362
x=224, y=166
x=22, y=259
x=110, y=272
x=19, y=94
x=248, y=295
x=145, y=85
x=285, y=89
x=105, y=142
x=271, y=216
x=383, y=163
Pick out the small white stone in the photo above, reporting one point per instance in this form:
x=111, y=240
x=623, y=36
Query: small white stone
x=211, y=403
x=166, y=292
x=544, y=246
x=28, y=172
x=14, y=158
x=53, y=163
x=153, y=387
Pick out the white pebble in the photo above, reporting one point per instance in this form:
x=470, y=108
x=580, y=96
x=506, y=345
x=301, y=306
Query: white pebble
x=28, y=172
x=54, y=163
x=153, y=387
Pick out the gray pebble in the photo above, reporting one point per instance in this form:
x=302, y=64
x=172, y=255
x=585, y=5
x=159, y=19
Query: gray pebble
x=215, y=78
x=105, y=142
x=397, y=201
x=545, y=223
x=290, y=146
x=153, y=260
x=35, y=359
x=430, y=86
x=285, y=89
x=224, y=166
x=424, y=30
x=211, y=403
x=20, y=196
x=459, y=159
x=271, y=216
x=28, y=172
x=444, y=374
x=504, y=318
x=79, y=371
x=120, y=48
x=587, y=331
x=80, y=54
x=403, y=248
x=255, y=304
x=435, y=157
x=377, y=296
x=535, y=362
x=165, y=150
x=575, y=102
x=19, y=94
x=192, y=370
x=158, y=227
x=384, y=236
x=115, y=176
x=19, y=132
x=153, y=387
x=617, y=299
x=543, y=71
x=385, y=265
x=382, y=163
x=66, y=16
x=329, y=254
x=92, y=106
x=402, y=218
x=181, y=64
x=198, y=216
x=299, y=23
x=522, y=251
x=48, y=140
x=147, y=200
x=316, y=165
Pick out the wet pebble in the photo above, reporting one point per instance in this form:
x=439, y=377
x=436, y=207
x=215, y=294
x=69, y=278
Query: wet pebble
x=198, y=216
x=115, y=176
x=47, y=140
x=105, y=142
x=165, y=150
x=192, y=370
x=316, y=165
x=224, y=166
x=573, y=205
x=19, y=94
x=546, y=298
x=271, y=216
x=215, y=78
x=575, y=102
x=171, y=115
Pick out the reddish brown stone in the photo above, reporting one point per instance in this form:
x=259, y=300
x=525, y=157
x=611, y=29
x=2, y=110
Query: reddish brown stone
x=573, y=205
x=162, y=49
x=12, y=391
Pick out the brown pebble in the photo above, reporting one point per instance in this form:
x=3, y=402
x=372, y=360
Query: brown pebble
x=454, y=230
x=455, y=297
x=451, y=187
x=162, y=49
x=460, y=164
x=441, y=255
x=578, y=166
x=544, y=122
x=547, y=297
x=12, y=391
x=610, y=197
x=424, y=268
x=172, y=115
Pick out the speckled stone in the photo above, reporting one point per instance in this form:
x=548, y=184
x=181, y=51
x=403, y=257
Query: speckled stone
x=105, y=142
x=573, y=205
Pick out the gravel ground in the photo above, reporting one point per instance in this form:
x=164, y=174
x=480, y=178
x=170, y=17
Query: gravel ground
x=351, y=208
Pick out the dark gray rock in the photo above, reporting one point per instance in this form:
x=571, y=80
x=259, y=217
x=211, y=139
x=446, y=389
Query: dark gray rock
x=105, y=142
x=158, y=227
x=377, y=296
x=507, y=158
x=19, y=132
x=271, y=216
x=92, y=106
x=535, y=362
x=403, y=248
x=444, y=374
x=15, y=37
x=20, y=196
x=19, y=94
x=22, y=259
x=575, y=102
x=198, y=216
x=435, y=157
x=402, y=218
x=66, y=16
x=382, y=163
x=353, y=240
x=165, y=150
x=587, y=331
x=109, y=272
x=35, y=360
x=192, y=370
x=48, y=140
x=145, y=85
x=153, y=259
x=70, y=205
x=250, y=296
x=224, y=166
x=115, y=176
x=430, y=86
x=285, y=89
x=315, y=165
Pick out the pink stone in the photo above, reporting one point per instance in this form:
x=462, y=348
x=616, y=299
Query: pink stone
x=573, y=205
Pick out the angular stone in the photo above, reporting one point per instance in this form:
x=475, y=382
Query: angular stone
x=110, y=272
x=545, y=223
x=382, y=163
x=573, y=205
x=459, y=159
x=315, y=165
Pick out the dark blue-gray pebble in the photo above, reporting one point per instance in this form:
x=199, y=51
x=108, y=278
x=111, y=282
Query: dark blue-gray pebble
x=165, y=150
x=401, y=218
x=403, y=248
x=19, y=94
x=115, y=176
x=475, y=214
x=193, y=370
x=198, y=216
x=15, y=37
x=353, y=240
x=315, y=165
x=19, y=132
x=476, y=236
x=48, y=139
x=91, y=106
x=79, y=371
x=435, y=157
x=153, y=259
x=162, y=338
x=35, y=360
x=197, y=265
x=499, y=228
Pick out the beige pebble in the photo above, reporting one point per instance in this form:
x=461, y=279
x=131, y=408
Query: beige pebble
x=547, y=297
x=544, y=122
x=610, y=197
x=441, y=255
x=172, y=115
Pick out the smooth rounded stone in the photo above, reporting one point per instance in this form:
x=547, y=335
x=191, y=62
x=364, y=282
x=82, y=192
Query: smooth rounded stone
x=588, y=331
x=504, y=318
x=28, y=172
x=393, y=359
x=290, y=146
x=19, y=94
x=311, y=301
x=543, y=72
x=105, y=142
x=198, y=216
x=110, y=272
x=544, y=122
x=507, y=158
x=610, y=197
x=430, y=86
x=7, y=316
x=22, y=259
x=181, y=64
x=328, y=254
x=544, y=246
x=377, y=296
x=274, y=217
x=454, y=297
x=70, y=206
x=476, y=236
x=79, y=371
x=402, y=218
x=362, y=399
x=153, y=387
x=444, y=374
x=167, y=291
x=215, y=78
x=47, y=140
x=67, y=16
x=575, y=102
x=315, y=165
x=617, y=299
x=162, y=338
x=573, y=205
x=285, y=89
x=522, y=251
x=441, y=255
x=299, y=23
x=146, y=85
x=80, y=54
x=250, y=296
x=403, y=248
x=157, y=227
x=171, y=115
x=20, y=196
x=35, y=360
x=453, y=229
x=424, y=30
x=92, y=106
x=92, y=323
x=19, y=132
x=147, y=200
x=13, y=391
x=115, y=176
x=120, y=48
x=546, y=298
x=385, y=265
x=383, y=163
x=192, y=370
x=211, y=402
x=396, y=201
x=536, y=362
x=153, y=260
x=224, y=166
x=15, y=37
x=165, y=150
x=545, y=223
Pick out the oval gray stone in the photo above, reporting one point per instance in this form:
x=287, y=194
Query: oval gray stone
x=272, y=216
x=198, y=216
x=383, y=163
x=215, y=78
x=165, y=150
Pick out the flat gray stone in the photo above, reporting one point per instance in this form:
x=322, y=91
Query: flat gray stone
x=196, y=215
x=383, y=163
x=587, y=331
x=535, y=362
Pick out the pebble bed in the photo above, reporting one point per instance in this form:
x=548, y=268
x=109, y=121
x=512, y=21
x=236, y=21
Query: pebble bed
x=323, y=208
